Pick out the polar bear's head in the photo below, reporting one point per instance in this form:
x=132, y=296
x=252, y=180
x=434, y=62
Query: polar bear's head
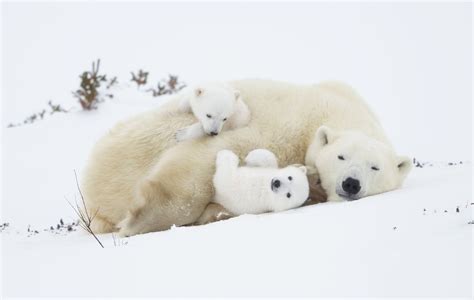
x=212, y=105
x=289, y=187
x=352, y=165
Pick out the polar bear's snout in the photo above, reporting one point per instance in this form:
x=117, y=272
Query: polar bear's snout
x=276, y=183
x=351, y=186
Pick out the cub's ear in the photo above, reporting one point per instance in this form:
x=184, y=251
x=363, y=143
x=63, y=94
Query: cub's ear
x=404, y=165
x=198, y=91
x=324, y=136
x=303, y=169
x=237, y=95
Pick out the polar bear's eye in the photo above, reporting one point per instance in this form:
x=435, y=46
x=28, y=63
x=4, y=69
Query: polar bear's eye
x=375, y=168
x=340, y=157
x=209, y=116
x=290, y=178
x=288, y=195
x=225, y=119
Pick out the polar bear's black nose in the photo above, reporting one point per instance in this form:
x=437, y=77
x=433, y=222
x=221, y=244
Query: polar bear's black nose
x=276, y=183
x=214, y=133
x=351, y=185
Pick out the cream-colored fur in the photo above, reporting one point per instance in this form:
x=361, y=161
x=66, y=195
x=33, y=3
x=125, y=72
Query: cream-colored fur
x=138, y=175
x=216, y=106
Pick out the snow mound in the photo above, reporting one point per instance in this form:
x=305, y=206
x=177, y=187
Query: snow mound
x=415, y=241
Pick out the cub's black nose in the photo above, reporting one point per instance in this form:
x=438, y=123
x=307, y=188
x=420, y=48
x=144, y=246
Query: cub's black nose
x=351, y=185
x=276, y=183
x=214, y=133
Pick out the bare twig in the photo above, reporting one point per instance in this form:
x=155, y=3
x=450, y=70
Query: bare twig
x=84, y=217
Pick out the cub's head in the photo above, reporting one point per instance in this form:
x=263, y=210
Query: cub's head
x=352, y=165
x=213, y=104
x=289, y=187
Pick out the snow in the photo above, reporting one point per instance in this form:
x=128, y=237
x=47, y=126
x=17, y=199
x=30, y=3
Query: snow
x=416, y=74
x=385, y=245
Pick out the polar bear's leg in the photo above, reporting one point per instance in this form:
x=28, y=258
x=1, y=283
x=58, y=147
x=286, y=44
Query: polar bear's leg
x=176, y=192
x=179, y=187
x=261, y=158
x=101, y=225
x=214, y=212
x=191, y=132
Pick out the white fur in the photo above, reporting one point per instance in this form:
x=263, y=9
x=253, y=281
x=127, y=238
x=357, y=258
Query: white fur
x=248, y=190
x=138, y=168
x=217, y=107
x=261, y=158
x=342, y=154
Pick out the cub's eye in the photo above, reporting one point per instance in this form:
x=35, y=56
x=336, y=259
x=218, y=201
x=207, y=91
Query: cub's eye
x=375, y=168
x=341, y=157
x=225, y=119
x=288, y=195
x=290, y=178
x=209, y=116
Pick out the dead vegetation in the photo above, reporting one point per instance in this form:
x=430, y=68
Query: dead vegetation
x=85, y=219
x=168, y=86
x=140, y=78
x=94, y=87
x=53, y=108
x=89, y=94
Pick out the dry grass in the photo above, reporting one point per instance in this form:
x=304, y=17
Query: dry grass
x=84, y=217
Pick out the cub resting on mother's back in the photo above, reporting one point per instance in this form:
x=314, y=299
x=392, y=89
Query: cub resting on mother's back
x=139, y=170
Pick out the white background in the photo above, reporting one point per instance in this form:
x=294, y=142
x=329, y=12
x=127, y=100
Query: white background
x=411, y=62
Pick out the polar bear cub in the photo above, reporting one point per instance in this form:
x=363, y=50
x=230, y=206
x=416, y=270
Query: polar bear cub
x=217, y=107
x=260, y=186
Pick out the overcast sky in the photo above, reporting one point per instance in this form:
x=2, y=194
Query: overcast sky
x=411, y=62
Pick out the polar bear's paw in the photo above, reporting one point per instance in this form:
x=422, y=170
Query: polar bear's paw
x=261, y=158
x=226, y=158
x=125, y=226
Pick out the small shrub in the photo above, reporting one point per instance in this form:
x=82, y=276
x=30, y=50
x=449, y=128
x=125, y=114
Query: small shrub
x=140, y=78
x=168, y=86
x=54, y=108
x=88, y=93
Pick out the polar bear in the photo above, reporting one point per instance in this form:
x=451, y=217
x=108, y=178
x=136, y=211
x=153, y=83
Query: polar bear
x=258, y=188
x=139, y=170
x=348, y=171
x=217, y=107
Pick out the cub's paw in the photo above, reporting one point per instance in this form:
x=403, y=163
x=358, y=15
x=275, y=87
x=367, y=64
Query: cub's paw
x=181, y=135
x=227, y=157
x=261, y=158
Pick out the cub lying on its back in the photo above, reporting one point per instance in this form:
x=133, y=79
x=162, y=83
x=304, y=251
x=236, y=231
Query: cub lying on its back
x=260, y=187
x=217, y=107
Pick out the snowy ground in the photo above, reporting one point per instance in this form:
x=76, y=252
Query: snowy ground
x=415, y=74
x=410, y=242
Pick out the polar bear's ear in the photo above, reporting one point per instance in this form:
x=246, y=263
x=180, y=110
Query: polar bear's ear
x=198, y=91
x=237, y=94
x=324, y=135
x=404, y=165
x=303, y=169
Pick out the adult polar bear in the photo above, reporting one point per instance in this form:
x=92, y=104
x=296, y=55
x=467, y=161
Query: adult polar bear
x=138, y=176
